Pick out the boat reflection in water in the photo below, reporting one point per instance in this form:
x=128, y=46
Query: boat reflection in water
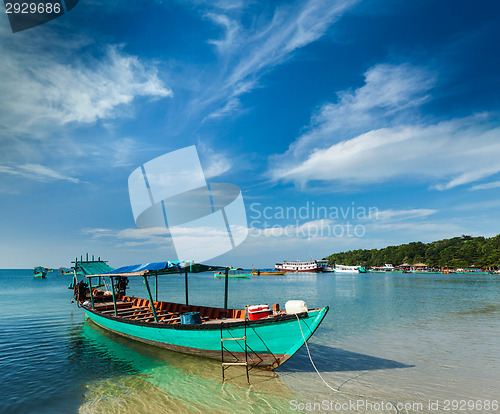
x=128, y=376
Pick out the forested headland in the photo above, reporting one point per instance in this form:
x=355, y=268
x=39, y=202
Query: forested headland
x=458, y=252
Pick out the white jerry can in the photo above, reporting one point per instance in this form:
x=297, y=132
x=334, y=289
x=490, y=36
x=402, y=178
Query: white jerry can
x=295, y=306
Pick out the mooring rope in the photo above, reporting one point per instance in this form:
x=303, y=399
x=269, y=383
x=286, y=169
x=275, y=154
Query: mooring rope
x=322, y=379
x=310, y=358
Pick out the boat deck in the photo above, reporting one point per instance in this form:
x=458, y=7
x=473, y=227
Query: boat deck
x=167, y=313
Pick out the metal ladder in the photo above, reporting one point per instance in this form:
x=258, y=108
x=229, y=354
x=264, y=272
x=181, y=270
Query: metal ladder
x=247, y=363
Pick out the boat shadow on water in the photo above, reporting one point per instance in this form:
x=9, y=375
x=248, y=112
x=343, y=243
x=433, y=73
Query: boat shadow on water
x=331, y=359
x=112, y=367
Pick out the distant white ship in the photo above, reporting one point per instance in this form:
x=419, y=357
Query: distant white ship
x=382, y=269
x=349, y=269
x=311, y=266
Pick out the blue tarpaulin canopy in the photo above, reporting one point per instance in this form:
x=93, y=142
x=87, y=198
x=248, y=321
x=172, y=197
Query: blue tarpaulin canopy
x=155, y=269
x=159, y=268
x=143, y=267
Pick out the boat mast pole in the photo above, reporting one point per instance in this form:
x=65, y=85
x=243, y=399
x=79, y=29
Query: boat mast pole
x=113, y=292
x=186, y=284
x=226, y=278
x=150, y=298
x=156, y=286
x=74, y=270
x=91, y=294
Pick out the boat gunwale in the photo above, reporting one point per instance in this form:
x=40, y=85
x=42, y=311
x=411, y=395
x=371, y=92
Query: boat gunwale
x=208, y=326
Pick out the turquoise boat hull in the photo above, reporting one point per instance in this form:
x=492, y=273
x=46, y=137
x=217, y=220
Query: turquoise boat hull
x=274, y=339
x=234, y=275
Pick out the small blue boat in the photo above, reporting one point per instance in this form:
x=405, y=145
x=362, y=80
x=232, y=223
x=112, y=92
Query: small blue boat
x=234, y=273
x=40, y=272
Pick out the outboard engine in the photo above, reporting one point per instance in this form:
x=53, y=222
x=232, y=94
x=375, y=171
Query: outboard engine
x=121, y=285
x=80, y=291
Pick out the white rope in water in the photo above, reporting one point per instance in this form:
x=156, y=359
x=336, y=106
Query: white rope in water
x=322, y=379
x=310, y=358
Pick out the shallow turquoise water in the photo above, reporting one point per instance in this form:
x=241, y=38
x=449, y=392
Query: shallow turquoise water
x=388, y=337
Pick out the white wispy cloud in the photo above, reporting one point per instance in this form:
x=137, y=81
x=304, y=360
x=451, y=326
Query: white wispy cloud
x=42, y=91
x=406, y=214
x=427, y=230
x=312, y=229
x=231, y=28
x=248, y=52
x=447, y=154
x=487, y=186
x=36, y=172
x=390, y=92
x=375, y=134
x=130, y=237
x=121, y=151
x=214, y=163
x=53, y=84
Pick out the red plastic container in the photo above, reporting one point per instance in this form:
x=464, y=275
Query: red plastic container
x=258, y=312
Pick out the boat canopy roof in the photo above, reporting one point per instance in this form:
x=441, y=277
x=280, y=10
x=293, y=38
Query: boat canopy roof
x=93, y=267
x=158, y=268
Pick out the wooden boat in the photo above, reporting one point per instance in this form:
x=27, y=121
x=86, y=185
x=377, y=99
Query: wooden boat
x=220, y=333
x=268, y=272
x=311, y=266
x=382, y=269
x=234, y=273
x=66, y=271
x=349, y=269
x=40, y=272
x=474, y=271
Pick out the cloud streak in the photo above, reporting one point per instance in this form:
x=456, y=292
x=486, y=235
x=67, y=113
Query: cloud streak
x=40, y=92
x=447, y=154
x=37, y=172
x=248, y=52
x=487, y=186
x=375, y=134
x=54, y=84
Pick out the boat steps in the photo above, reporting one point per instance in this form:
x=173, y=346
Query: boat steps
x=234, y=339
x=243, y=363
x=247, y=363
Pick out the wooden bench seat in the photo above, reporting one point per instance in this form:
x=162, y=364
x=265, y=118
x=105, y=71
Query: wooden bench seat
x=161, y=315
x=125, y=311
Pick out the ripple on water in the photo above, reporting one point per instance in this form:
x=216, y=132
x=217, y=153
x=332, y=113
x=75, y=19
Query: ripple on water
x=387, y=338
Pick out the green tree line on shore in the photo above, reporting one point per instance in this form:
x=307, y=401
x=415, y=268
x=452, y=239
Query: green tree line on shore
x=458, y=252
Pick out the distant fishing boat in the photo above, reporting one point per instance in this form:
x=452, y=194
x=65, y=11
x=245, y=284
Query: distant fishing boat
x=234, y=273
x=87, y=266
x=475, y=271
x=267, y=272
x=349, y=269
x=66, y=271
x=255, y=336
x=311, y=266
x=383, y=269
x=422, y=268
x=40, y=272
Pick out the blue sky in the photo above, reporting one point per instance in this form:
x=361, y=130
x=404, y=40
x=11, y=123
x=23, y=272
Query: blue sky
x=329, y=105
